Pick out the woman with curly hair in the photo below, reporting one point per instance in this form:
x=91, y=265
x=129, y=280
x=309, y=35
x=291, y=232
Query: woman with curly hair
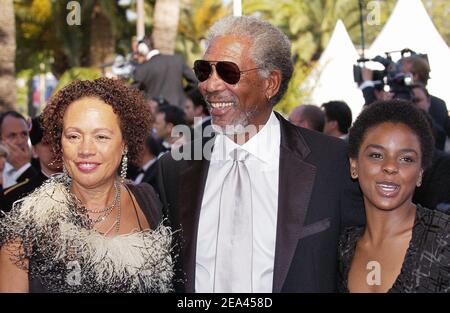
x=404, y=247
x=88, y=230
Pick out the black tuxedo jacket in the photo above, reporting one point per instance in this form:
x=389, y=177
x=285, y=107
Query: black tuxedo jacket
x=27, y=182
x=434, y=193
x=438, y=110
x=150, y=174
x=20, y=190
x=162, y=76
x=316, y=200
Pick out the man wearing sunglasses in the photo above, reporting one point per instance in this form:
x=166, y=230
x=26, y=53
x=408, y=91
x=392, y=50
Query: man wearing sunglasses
x=263, y=211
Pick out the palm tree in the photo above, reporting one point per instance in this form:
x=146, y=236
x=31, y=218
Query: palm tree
x=7, y=56
x=102, y=43
x=165, y=24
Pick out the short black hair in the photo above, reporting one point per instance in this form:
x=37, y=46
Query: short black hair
x=153, y=146
x=198, y=100
x=393, y=111
x=36, y=131
x=14, y=114
x=339, y=111
x=173, y=114
x=161, y=101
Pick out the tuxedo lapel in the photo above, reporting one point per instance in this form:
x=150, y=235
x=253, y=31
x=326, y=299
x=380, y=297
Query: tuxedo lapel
x=193, y=181
x=296, y=181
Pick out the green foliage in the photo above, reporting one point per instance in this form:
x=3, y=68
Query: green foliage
x=195, y=20
x=439, y=10
x=293, y=96
x=23, y=77
x=43, y=35
x=77, y=73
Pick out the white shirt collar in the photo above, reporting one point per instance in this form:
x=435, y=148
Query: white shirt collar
x=149, y=163
x=9, y=168
x=202, y=120
x=262, y=146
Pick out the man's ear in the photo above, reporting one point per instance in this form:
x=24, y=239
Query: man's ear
x=273, y=83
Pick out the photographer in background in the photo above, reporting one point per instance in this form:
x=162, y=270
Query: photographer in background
x=422, y=99
x=162, y=75
x=373, y=90
x=400, y=76
x=419, y=68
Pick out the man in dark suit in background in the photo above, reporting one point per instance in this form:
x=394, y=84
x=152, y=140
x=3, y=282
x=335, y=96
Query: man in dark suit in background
x=162, y=75
x=434, y=193
x=14, y=134
x=46, y=169
x=419, y=68
x=149, y=157
x=197, y=114
x=263, y=211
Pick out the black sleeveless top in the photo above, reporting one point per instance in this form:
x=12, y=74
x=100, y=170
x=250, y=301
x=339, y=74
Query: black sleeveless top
x=426, y=267
x=149, y=203
x=153, y=274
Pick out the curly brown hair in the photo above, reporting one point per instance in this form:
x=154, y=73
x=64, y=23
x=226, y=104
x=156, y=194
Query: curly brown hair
x=128, y=103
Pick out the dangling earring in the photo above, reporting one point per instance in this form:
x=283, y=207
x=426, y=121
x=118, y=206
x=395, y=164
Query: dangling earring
x=124, y=167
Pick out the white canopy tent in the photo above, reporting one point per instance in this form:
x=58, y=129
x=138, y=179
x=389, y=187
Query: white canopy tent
x=409, y=26
x=332, y=77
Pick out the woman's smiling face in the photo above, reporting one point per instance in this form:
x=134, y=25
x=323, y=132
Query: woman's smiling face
x=388, y=166
x=92, y=142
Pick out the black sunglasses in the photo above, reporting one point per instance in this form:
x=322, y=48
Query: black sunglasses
x=229, y=72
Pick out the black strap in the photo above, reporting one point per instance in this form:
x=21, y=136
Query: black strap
x=149, y=203
x=134, y=205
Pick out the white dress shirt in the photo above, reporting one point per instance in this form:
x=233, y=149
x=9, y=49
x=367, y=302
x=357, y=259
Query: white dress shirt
x=11, y=174
x=263, y=166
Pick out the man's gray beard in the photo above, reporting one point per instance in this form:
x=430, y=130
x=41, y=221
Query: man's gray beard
x=239, y=126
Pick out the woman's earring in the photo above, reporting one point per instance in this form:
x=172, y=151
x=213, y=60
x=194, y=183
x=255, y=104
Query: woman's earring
x=354, y=174
x=419, y=183
x=124, y=167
